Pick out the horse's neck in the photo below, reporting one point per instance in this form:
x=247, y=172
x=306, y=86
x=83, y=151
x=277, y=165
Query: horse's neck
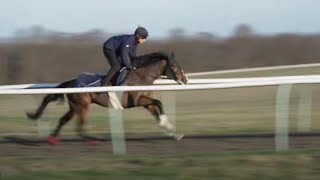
x=152, y=71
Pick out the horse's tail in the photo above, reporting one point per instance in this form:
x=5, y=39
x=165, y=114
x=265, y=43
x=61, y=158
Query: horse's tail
x=49, y=98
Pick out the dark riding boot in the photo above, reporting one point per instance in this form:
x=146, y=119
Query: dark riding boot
x=115, y=66
x=106, y=81
x=109, y=76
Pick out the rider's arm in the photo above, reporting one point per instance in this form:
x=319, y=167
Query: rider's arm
x=124, y=53
x=133, y=53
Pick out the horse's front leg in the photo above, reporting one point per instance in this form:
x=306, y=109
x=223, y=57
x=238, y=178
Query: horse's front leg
x=83, y=112
x=156, y=108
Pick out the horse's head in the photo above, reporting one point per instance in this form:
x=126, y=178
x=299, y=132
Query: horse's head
x=174, y=70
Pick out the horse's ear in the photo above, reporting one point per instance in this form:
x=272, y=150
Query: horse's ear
x=172, y=54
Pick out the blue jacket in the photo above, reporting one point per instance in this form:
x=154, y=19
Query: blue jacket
x=125, y=47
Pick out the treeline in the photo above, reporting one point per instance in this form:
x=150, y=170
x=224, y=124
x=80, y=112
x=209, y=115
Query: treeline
x=63, y=57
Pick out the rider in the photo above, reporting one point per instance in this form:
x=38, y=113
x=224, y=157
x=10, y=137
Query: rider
x=120, y=49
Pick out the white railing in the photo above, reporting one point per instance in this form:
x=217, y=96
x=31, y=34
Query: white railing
x=203, y=84
x=254, y=69
x=282, y=100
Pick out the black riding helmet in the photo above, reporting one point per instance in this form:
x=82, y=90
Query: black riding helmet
x=141, y=32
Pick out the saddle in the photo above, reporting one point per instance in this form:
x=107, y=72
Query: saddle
x=87, y=79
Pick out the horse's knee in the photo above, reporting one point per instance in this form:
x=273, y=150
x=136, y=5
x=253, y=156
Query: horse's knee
x=157, y=103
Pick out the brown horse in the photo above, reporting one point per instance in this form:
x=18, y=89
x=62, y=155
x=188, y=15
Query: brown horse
x=149, y=68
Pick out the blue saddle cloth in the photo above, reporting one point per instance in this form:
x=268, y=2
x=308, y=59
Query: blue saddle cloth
x=95, y=79
x=89, y=79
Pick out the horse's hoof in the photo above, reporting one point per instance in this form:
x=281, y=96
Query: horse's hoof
x=178, y=137
x=93, y=142
x=31, y=116
x=52, y=140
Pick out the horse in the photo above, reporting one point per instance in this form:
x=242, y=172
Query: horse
x=149, y=67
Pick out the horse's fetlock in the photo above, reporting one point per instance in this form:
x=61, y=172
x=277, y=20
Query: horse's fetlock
x=163, y=120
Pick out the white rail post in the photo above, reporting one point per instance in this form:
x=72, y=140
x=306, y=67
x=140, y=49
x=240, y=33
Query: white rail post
x=305, y=107
x=282, y=117
x=43, y=128
x=169, y=104
x=117, y=130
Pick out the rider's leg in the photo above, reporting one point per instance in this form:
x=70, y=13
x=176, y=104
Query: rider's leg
x=114, y=63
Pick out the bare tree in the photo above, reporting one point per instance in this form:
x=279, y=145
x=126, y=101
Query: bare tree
x=243, y=30
x=177, y=33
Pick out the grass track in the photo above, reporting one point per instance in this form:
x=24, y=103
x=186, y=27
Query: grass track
x=240, y=165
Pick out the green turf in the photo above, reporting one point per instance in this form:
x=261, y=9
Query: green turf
x=241, y=165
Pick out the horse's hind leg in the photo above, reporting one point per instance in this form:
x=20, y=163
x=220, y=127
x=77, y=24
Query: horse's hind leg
x=46, y=100
x=63, y=120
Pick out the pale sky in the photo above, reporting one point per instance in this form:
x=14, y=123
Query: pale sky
x=218, y=17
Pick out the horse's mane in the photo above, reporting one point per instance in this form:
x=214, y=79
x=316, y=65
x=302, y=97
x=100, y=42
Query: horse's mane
x=145, y=60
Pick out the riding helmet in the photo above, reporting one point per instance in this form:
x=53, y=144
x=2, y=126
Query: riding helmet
x=141, y=31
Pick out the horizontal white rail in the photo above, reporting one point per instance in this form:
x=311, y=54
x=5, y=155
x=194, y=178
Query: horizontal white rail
x=253, y=69
x=160, y=87
x=32, y=86
x=191, y=81
x=231, y=80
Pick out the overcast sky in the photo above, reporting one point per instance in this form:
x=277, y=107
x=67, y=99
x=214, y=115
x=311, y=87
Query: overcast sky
x=218, y=17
